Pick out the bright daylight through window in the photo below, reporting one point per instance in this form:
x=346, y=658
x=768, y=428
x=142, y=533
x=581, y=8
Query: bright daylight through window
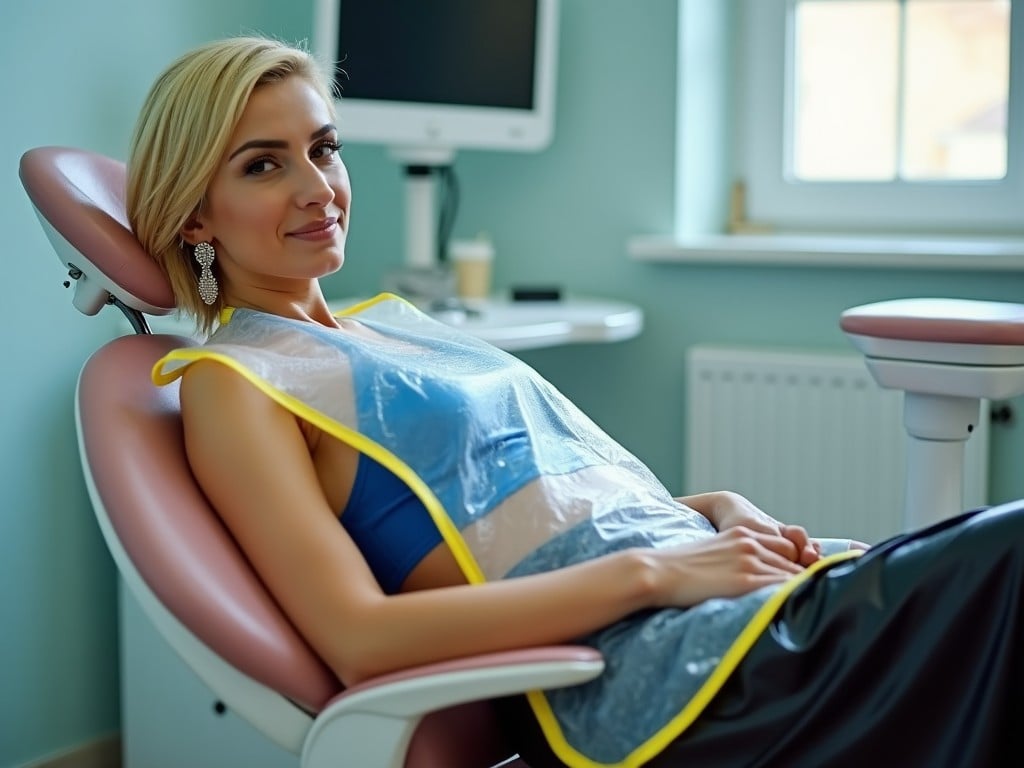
x=908, y=90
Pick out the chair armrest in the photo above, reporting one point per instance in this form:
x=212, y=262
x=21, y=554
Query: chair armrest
x=372, y=723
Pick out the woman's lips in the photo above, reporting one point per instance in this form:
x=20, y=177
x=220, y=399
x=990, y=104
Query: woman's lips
x=318, y=230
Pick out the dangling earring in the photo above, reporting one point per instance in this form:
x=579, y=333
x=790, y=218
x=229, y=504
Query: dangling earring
x=207, y=282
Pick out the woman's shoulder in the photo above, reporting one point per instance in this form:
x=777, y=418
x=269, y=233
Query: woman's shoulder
x=209, y=385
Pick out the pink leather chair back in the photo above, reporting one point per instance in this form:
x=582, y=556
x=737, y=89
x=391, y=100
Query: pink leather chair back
x=132, y=441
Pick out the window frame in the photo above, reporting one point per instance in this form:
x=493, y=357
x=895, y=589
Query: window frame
x=764, y=107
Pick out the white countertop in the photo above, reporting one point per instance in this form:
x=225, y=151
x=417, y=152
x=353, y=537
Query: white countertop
x=516, y=325
x=511, y=325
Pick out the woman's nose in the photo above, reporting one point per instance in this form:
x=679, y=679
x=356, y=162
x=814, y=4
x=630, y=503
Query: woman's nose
x=313, y=186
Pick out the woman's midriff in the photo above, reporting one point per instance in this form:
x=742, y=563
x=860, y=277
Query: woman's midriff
x=514, y=529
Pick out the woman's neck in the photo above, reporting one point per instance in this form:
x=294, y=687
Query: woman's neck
x=309, y=306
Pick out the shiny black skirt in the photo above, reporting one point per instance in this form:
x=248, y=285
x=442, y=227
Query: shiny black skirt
x=910, y=655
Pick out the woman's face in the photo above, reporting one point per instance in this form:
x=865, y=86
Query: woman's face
x=277, y=210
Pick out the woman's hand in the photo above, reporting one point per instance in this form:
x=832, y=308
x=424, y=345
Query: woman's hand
x=727, y=510
x=731, y=563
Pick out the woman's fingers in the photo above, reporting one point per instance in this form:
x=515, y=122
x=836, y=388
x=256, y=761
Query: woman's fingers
x=731, y=563
x=770, y=549
x=781, y=556
x=807, y=548
x=797, y=534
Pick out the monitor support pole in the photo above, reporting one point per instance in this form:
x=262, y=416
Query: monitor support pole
x=420, y=217
x=421, y=203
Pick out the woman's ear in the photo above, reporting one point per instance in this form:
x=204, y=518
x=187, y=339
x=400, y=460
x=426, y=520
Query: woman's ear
x=192, y=230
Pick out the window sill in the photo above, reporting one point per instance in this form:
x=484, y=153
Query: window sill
x=1001, y=254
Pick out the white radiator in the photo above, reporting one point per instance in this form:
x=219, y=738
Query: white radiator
x=807, y=436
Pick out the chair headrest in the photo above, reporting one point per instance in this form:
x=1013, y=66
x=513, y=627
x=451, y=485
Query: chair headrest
x=79, y=197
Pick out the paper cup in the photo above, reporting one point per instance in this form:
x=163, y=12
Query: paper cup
x=471, y=261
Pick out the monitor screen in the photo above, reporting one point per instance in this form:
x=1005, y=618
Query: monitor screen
x=450, y=52
x=450, y=74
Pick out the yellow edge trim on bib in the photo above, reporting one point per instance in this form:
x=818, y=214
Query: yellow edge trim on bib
x=225, y=314
x=357, y=308
x=467, y=563
x=692, y=709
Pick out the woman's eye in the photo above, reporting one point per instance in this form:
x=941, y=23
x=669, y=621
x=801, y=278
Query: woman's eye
x=326, y=149
x=258, y=166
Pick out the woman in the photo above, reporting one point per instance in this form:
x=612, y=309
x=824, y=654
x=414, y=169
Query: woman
x=480, y=511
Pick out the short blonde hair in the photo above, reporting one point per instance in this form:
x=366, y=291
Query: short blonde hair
x=181, y=135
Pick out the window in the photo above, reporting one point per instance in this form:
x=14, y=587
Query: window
x=882, y=114
x=927, y=102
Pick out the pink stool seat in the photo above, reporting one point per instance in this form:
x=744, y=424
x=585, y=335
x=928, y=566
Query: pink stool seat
x=949, y=331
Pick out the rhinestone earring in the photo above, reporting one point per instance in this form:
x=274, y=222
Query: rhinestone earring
x=207, y=282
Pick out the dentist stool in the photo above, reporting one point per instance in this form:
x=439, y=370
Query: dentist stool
x=946, y=355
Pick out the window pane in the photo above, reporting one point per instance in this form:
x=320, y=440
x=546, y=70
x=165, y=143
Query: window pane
x=846, y=81
x=957, y=80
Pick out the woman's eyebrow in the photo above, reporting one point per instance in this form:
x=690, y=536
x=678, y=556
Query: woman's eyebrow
x=278, y=143
x=322, y=131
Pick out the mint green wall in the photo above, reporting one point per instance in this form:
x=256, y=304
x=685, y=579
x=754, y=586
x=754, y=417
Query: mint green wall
x=76, y=73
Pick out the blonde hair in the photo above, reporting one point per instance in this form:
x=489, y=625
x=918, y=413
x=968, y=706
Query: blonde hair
x=180, y=137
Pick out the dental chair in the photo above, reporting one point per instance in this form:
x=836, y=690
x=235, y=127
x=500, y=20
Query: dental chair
x=181, y=564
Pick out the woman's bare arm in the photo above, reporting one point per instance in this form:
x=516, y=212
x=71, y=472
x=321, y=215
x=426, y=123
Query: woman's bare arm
x=251, y=459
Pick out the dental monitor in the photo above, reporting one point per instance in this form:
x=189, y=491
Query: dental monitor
x=428, y=79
